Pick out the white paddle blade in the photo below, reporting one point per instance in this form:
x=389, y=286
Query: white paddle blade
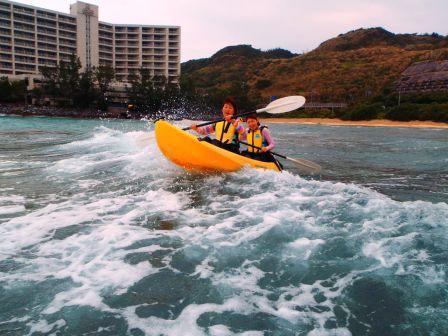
x=306, y=165
x=285, y=104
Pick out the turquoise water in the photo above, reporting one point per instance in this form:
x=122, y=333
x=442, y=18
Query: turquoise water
x=101, y=235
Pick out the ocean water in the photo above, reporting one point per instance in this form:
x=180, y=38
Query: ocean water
x=100, y=235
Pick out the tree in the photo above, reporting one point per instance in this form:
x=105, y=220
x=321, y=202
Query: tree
x=69, y=78
x=67, y=85
x=86, y=93
x=146, y=91
x=12, y=91
x=104, y=75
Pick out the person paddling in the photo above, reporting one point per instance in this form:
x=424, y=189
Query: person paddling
x=259, y=140
x=227, y=131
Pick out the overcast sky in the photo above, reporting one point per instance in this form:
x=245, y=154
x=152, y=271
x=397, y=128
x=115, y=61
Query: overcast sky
x=297, y=25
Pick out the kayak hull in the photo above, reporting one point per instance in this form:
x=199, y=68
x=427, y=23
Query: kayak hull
x=186, y=151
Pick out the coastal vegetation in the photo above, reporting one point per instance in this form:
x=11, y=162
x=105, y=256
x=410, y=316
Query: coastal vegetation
x=360, y=69
x=12, y=91
x=67, y=85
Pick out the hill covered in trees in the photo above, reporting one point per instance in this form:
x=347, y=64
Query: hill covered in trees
x=360, y=67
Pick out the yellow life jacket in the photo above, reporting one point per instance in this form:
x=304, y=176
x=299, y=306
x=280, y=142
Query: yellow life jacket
x=225, y=132
x=255, y=138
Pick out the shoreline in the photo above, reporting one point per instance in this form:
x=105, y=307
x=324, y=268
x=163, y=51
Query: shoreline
x=364, y=123
x=33, y=111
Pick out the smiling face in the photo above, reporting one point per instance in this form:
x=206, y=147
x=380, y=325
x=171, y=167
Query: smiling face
x=252, y=123
x=228, y=110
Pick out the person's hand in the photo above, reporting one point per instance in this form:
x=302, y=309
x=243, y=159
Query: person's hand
x=194, y=127
x=264, y=149
x=236, y=122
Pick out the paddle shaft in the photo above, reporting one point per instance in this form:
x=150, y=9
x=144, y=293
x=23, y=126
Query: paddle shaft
x=256, y=147
x=310, y=166
x=217, y=121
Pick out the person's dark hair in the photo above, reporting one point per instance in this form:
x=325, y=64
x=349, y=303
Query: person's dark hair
x=253, y=116
x=229, y=100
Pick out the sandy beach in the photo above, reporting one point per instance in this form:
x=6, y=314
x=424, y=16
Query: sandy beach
x=370, y=123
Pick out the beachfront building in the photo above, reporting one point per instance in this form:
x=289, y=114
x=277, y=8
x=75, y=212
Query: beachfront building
x=32, y=37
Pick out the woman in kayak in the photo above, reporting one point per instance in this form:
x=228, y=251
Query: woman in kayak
x=260, y=141
x=227, y=131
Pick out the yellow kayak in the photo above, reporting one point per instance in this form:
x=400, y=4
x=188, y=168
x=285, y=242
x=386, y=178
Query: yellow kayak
x=185, y=150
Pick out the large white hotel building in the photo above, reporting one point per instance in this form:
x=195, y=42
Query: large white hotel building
x=32, y=37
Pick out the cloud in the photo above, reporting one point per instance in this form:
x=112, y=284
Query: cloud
x=297, y=25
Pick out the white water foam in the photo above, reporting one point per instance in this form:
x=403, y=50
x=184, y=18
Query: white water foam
x=257, y=208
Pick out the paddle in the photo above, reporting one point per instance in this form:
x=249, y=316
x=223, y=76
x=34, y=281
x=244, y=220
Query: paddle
x=277, y=106
x=303, y=164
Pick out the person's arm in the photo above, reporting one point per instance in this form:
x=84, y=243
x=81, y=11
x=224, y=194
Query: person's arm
x=239, y=129
x=205, y=130
x=269, y=139
x=242, y=136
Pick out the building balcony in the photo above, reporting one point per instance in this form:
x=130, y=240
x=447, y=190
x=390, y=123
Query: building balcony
x=23, y=10
x=105, y=56
x=46, y=15
x=46, y=39
x=65, y=19
x=104, y=28
x=6, y=49
x=65, y=42
x=47, y=63
x=19, y=59
x=67, y=52
x=46, y=31
x=5, y=40
x=68, y=36
x=106, y=37
x=5, y=6
x=24, y=53
x=106, y=49
x=47, y=55
x=105, y=45
x=46, y=23
x=24, y=43
x=25, y=67
x=5, y=32
x=23, y=20
x=67, y=29
x=47, y=47
x=26, y=28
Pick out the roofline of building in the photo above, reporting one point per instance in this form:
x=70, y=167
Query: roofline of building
x=38, y=8
x=137, y=25
x=74, y=16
